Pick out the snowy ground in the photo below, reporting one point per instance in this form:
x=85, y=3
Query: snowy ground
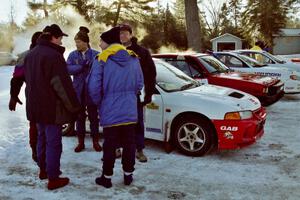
x=269, y=169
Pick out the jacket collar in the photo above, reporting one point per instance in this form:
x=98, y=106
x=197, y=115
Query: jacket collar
x=112, y=50
x=58, y=48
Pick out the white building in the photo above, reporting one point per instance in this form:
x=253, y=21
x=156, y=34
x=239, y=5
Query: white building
x=226, y=42
x=287, y=41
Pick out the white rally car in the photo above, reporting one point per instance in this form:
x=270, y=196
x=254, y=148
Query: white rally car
x=269, y=59
x=196, y=117
x=242, y=63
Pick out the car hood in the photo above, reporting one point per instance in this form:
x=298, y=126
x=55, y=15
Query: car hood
x=235, y=99
x=249, y=77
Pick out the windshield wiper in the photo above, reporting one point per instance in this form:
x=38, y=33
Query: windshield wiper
x=184, y=87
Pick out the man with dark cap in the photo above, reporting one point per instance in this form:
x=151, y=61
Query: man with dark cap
x=79, y=64
x=50, y=101
x=15, y=86
x=149, y=72
x=113, y=84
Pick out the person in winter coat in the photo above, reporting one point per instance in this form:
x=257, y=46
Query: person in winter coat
x=15, y=86
x=50, y=101
x=114, y=84
x=149, y=72
x=79, y=63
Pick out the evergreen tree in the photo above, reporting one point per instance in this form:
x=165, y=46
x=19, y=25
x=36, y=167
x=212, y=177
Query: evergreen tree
x=267, y=17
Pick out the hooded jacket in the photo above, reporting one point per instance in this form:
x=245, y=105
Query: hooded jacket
x=113, y=84
x=50, y=97
x=79, y=67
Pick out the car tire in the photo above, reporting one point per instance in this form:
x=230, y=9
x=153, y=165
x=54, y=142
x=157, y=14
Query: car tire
x=68, y=129
x=193, y=136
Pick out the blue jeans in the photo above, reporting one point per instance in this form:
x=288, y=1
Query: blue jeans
x=49, y=148
x=113, y=137
x=140, y=131
x=92, y=111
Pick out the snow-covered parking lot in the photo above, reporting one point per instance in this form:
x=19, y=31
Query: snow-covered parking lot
x=269, y=169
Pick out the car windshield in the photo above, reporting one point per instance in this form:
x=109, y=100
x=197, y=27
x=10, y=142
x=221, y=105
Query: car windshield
x=251, y=61
x=277, y=59
x=213, y=65
x=171, y=79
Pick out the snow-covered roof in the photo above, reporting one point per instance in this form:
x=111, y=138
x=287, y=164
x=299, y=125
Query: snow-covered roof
x=288, y=32
x=224, y=35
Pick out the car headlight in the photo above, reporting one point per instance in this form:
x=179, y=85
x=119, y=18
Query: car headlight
x=238, y=115
x=265, y=90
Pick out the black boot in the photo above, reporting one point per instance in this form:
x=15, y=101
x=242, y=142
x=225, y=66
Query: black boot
x=128, y=179
x=105, y=182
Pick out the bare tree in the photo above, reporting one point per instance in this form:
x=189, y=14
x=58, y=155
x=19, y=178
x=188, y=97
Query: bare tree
x=193, y=25
x=214, y=11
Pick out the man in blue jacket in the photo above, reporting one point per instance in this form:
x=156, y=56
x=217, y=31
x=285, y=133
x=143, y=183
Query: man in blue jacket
x=114, y=83
x=79, y=63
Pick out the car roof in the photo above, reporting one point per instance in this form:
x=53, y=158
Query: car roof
x=248, y=50
x=181, y=54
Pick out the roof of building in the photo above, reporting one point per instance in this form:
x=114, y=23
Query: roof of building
x=288, y=32
x=224, y=35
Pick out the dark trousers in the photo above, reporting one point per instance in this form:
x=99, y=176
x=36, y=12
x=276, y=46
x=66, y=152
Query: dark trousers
x=33, y=135
x=92, y=113
x=113, y=136
x=140, y=131
x=49, y=148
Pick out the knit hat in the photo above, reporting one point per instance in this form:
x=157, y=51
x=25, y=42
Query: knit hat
x=111, y=36
x=54, y=30
x=34, y=38
x=83, y=34
x=125, y=27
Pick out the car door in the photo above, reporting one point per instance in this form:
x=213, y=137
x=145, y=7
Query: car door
x=153, y=118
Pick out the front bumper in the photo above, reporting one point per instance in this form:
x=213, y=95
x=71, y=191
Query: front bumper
x=235, y=134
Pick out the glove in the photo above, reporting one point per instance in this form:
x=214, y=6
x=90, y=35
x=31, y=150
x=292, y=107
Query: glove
x=147, y=99
x=13, y=102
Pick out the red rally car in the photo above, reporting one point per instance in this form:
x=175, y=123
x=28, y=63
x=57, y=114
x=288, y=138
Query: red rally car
x=207, y=69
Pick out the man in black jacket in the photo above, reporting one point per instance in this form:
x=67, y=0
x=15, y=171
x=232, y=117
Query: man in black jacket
x=149, y=72
x=50, y=101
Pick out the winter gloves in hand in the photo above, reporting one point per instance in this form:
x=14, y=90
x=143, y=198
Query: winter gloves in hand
x=13, y=102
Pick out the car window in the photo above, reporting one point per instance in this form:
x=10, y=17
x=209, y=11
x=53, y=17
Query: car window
x=259, y=57
x=231, y=61
x=251, y=61
x=181, y=65
x=212, y=64
x=276, y=58
x=171, y=79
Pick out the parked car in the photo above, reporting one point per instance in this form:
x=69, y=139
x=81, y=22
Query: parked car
x=242, y=63
x=196, y=117
x=269, y=59
x=207, y=69
x=7, y=58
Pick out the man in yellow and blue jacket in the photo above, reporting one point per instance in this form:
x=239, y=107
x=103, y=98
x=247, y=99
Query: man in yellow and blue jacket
x=114, y=84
